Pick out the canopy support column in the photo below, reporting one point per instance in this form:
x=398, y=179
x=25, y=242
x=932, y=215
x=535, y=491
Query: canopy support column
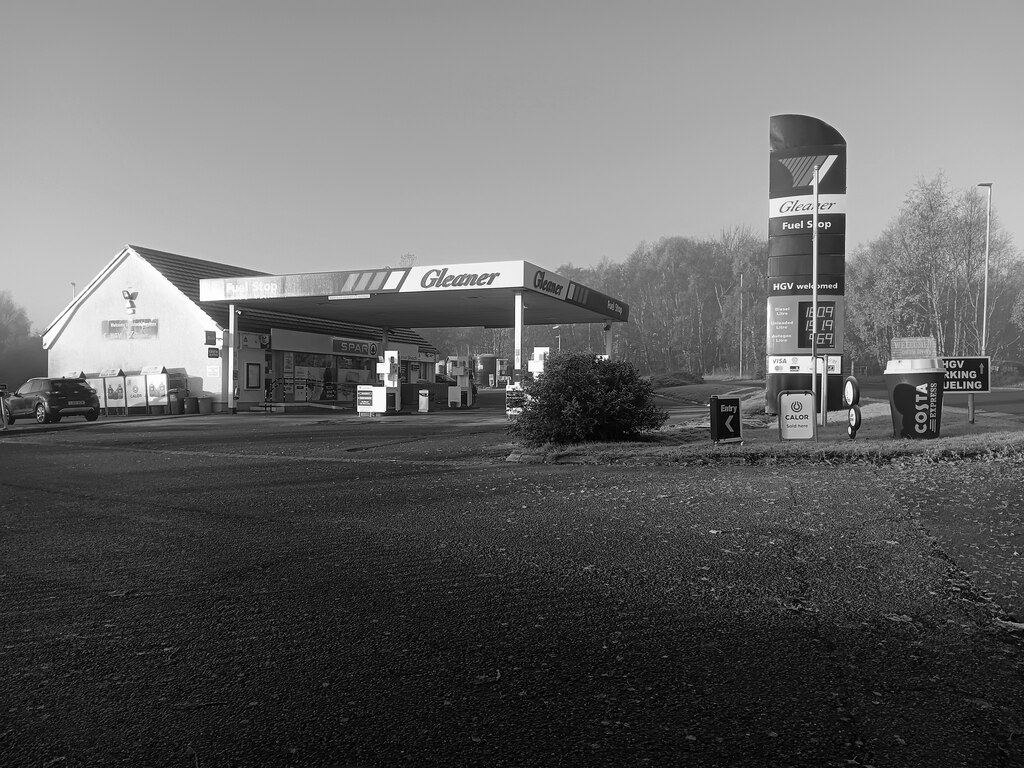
x=517, y=370
x=232, y=372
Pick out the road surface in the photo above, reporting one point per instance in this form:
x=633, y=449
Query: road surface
x=324, y=591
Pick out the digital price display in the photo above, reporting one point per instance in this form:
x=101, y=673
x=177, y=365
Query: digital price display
x=826, y=324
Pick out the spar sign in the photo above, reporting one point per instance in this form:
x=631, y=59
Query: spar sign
x=967, y=374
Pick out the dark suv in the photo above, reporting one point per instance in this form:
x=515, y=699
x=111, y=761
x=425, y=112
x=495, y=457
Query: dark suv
x=49, y=400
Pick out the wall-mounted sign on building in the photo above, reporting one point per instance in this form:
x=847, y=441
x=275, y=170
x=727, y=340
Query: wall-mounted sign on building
x=123, y=329
x=355, y=347
x=253, y=340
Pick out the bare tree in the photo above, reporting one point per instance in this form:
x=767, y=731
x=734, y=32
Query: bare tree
x=925, y=276
x=14, y=324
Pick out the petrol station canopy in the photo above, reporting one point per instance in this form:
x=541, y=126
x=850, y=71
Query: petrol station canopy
x=439, y=296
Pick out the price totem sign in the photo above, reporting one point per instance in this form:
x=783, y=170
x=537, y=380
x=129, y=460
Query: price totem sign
x=799, y=144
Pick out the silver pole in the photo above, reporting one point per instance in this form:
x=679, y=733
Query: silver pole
x=517, y=354
x=741, y=325
x=984, y=300
x=814, y=306
x=984, y=296
x=232, y=372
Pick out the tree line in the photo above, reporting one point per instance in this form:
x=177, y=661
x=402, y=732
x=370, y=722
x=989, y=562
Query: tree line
x=692, y=305
x=925, y=275
x=21, y=349
x=699, y=305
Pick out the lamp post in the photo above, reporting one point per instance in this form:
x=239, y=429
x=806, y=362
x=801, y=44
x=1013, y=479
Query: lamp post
x=984, y=292
x=984, y=299
x=740, y=333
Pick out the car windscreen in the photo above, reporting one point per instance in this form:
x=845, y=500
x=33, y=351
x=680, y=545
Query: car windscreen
x=71, y=387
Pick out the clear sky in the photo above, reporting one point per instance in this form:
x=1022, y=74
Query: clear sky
x=307, y=135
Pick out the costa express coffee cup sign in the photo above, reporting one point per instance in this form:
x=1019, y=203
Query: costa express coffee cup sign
x=915, y=396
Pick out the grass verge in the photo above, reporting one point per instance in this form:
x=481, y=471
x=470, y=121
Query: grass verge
x=993, y=436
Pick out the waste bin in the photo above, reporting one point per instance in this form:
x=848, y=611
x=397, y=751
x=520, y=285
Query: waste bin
x=174, y=401
x=915, y=396
x=191, y=405
x=424, y=400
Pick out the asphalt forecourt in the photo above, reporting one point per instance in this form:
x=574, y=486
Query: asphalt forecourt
x=316, y=592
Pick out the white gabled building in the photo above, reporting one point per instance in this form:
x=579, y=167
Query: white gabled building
x=143, y=312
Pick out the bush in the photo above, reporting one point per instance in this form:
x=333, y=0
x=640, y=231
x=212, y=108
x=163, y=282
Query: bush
x=580, y=399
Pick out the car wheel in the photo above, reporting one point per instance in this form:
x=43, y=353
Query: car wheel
x=92, y=415
x=41, y=416
x=10, y=420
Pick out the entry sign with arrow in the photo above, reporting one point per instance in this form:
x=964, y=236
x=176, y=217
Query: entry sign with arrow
x=725, y=420
x=969, y=375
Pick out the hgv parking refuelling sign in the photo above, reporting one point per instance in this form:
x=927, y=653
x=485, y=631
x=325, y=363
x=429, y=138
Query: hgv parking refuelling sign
x=967, y=374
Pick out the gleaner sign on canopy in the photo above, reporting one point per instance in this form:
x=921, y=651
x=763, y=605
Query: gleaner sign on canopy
x=443, y=295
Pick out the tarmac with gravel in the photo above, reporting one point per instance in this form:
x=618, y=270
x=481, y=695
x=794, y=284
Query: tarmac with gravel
x=313, y=591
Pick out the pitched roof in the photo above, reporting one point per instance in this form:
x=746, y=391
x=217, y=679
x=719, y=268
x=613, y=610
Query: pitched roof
x=185, y=272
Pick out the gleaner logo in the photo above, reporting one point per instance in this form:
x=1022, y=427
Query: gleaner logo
x=802, y=168
x=541, y=283
x=803, y=205
x=439, y=278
